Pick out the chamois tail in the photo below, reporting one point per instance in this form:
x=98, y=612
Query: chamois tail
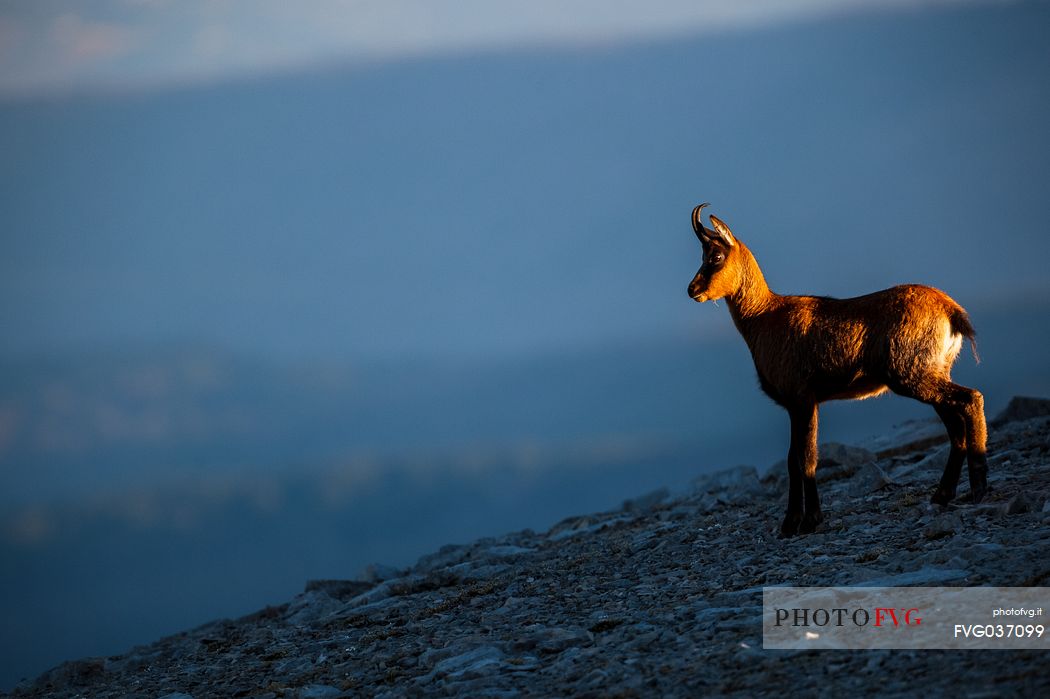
x=961, y=324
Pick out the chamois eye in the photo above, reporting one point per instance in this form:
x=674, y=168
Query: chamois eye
x=718, y=258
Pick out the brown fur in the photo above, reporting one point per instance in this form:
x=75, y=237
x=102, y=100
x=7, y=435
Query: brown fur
x=810, y=349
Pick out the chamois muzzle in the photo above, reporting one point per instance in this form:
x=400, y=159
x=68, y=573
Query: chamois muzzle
x=698, y=289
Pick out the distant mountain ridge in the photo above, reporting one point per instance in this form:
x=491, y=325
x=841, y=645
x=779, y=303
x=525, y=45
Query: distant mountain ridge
x=83, y=423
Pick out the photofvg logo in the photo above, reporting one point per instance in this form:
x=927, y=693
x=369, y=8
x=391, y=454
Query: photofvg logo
x=905, y=617
x=840, y=616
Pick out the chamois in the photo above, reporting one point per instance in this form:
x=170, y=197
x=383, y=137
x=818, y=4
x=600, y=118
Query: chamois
x=810, y=349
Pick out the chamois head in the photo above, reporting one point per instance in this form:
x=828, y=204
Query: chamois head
x=720, y=273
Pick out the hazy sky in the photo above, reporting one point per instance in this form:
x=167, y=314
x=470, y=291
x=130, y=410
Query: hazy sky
x=269, y=214
x=57, y=45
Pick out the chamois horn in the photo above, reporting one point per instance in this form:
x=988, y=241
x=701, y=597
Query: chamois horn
x=704, y=234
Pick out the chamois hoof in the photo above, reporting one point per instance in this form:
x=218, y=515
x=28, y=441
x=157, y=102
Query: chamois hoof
x=942, y=497
x=977, y=492
x=810, y=522
x=790, y=526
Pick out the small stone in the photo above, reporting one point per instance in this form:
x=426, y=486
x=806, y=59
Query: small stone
x=1004, y=458
x=575, y=526
x=552, y=639
x=602, y=621
x=507, y=551
x=1019, y=504
x=925, y=576
x=942, y=526
x=842, y=456
x=471, y=573
x=934, y=460
x=319, y=691
x=708, y=502
x=77, y=672
x=469, y=664
x=447, y=555
x=510, y=604
x=1022, y=408
x=867, y=479
x=730, y=483
x=379, y=572
x=338, y=589
x=909, y=436
x=980, y=552
x=776, y=474
x=646, y=502
x=715, y=615
x=558, y=639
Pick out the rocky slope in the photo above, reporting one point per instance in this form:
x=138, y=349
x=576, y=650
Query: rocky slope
x=659, y=598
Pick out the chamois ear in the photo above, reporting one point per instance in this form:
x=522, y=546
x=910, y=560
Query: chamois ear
x=722, y=231
x=704, y=234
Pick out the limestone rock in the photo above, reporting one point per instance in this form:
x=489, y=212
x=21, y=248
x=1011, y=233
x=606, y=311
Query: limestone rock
x=729, y=484
x=646, y=502
x=320, y=691
x=924, y=576
x=1019, y=504
x=338, y=589
x=1022, y=408
x=868, y=478
x=908, y=436
x=471, y=663
x=944, y=525
x=379, y=572
x=833, y=456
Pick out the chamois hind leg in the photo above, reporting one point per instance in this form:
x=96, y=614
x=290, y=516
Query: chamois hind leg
x=803, y=512
x=968, y=405
x=955, y=423
x=976, y=440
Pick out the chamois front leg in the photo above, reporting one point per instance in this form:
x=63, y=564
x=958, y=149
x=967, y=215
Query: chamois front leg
x=793, y=518
x=803, y=511
x=808, y=427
